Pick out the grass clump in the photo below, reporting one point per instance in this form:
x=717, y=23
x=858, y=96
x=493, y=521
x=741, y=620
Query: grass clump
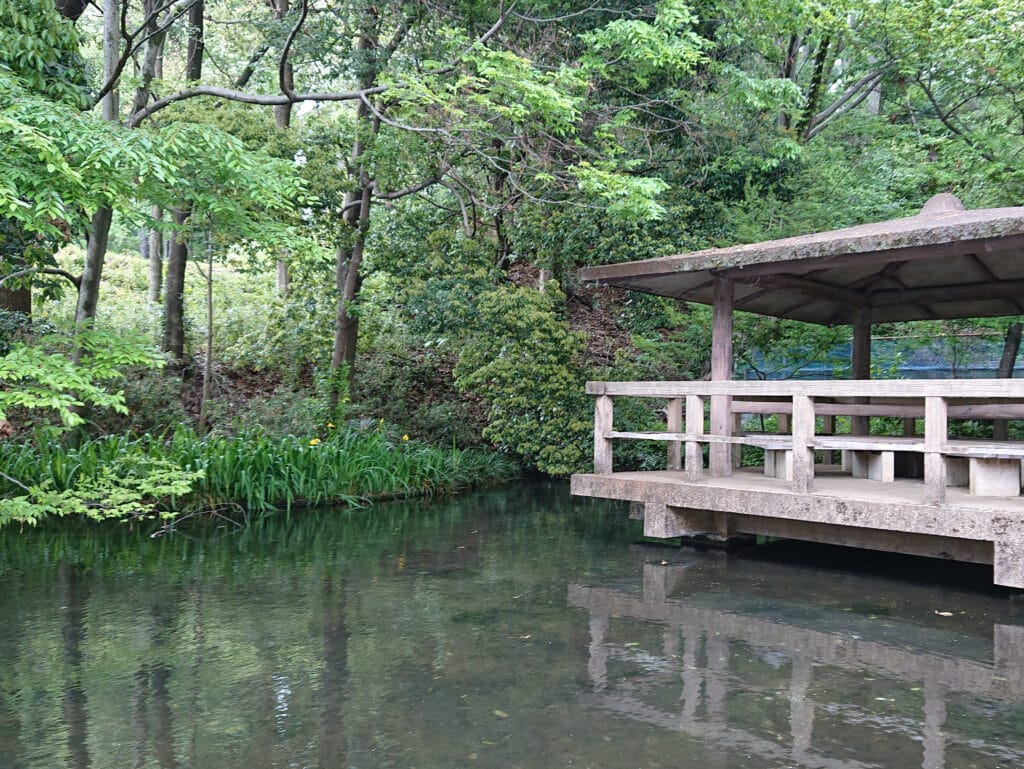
x=248, y=475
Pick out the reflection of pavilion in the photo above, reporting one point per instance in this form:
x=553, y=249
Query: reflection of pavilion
x=708, y=654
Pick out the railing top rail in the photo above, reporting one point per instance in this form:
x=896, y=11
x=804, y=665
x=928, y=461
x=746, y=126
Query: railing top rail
x=877, y=388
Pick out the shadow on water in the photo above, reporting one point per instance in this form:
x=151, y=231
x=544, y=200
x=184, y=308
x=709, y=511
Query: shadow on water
x=516, y=627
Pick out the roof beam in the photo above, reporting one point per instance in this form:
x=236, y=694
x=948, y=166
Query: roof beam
x=813, y=288
x=1010, y=289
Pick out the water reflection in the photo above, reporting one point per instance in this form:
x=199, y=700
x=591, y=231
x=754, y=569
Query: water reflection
x=439, y=636
x=792, y=682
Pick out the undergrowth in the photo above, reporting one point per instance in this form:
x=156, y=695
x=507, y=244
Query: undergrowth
x=247, y=475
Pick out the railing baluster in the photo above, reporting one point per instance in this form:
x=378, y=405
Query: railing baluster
x=694, y=426
x=936, y=433
x=603, y=412
x=803, y=435
x=674, y=423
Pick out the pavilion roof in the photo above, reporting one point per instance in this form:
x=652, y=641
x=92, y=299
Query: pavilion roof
x=946, y=262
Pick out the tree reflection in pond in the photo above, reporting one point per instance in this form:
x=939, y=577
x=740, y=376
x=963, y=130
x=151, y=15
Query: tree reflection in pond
x=511, y=628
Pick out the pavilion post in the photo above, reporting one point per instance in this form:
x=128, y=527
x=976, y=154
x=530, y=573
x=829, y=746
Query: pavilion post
x=860, y=362
x=720, y=461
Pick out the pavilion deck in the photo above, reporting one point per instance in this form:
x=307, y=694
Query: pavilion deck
x=921, y=493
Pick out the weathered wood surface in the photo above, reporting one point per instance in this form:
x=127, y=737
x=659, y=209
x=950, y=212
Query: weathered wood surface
x=968, y=389
x=987, y=464
x=603, y=416
x=906, y=411
x=936, y=433
x=720, y=457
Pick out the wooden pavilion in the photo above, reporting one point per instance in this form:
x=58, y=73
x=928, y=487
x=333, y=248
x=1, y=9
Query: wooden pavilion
x=921, y=492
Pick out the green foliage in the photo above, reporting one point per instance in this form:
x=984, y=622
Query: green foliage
x=413, y=387
x=44, y=378
x=524, y=362
x=255, y=473
x=667, y=47
x=41, y=49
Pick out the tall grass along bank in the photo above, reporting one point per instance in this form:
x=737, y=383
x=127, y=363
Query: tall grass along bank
x=250, y=474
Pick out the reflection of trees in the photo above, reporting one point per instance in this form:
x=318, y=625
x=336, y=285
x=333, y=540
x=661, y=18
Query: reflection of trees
x=278, y=646
x=74, y=591
x=333, y=678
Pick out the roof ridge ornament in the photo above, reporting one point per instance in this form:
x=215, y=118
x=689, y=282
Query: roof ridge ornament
x=943, y=203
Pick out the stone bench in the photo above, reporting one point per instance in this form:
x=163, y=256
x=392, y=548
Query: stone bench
x=993, y=467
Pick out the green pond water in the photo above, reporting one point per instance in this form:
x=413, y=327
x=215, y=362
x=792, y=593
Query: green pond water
x=511, y=628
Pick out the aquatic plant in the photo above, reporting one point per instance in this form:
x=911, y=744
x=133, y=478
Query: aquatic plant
x=245, y=475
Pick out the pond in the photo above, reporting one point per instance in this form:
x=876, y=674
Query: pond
x=509, y=628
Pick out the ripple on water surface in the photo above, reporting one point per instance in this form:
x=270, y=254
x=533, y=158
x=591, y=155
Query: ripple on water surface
x=512, y=628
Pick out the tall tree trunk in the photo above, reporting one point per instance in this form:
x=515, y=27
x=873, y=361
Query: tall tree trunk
x=349, y=282
x=204, y=403
x=156, y=259
x=196, y=42
x=174, y=290
x=788, y=72
x=814, y=90
x=95, y=254
x=348, y=264
x=283, y=121
x=177, y=254
x=99, y=231
x=1011, y=346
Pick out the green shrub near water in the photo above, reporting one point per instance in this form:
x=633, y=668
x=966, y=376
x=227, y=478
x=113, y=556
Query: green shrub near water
x=251, y=474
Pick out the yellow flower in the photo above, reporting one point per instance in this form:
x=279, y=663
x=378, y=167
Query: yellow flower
x=405, y=437
x=314, y=442
x=330, y=424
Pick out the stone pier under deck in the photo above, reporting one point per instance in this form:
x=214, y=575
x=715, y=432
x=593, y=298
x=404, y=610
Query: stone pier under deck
x=841, y=510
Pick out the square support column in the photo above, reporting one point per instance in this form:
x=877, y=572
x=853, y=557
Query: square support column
x=721, y=370
x=860, y=362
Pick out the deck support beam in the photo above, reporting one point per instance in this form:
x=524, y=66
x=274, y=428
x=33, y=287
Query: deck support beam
x=721, y=370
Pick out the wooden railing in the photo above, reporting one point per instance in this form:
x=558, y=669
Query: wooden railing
x=800, y=405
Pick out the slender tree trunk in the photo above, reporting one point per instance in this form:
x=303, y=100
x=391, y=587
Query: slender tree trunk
x=350, y=281
x=156, y=259
x=1011, y=346
x=174, y=290
x=814, y=90
x=92, y=272
x=788, y=72
x=208, y=358
x=99, y=231
x=177, y=255
x=283, y=121
x=348, y=264
x=196, y=42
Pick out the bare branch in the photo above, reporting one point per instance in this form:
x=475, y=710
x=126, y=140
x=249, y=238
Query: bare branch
x=16, y=482
x=282, y=64
x=133, y=42
x=841, y=105
x=267, y=100
x=75, y=280
x=592, y=8
x=411, y=189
